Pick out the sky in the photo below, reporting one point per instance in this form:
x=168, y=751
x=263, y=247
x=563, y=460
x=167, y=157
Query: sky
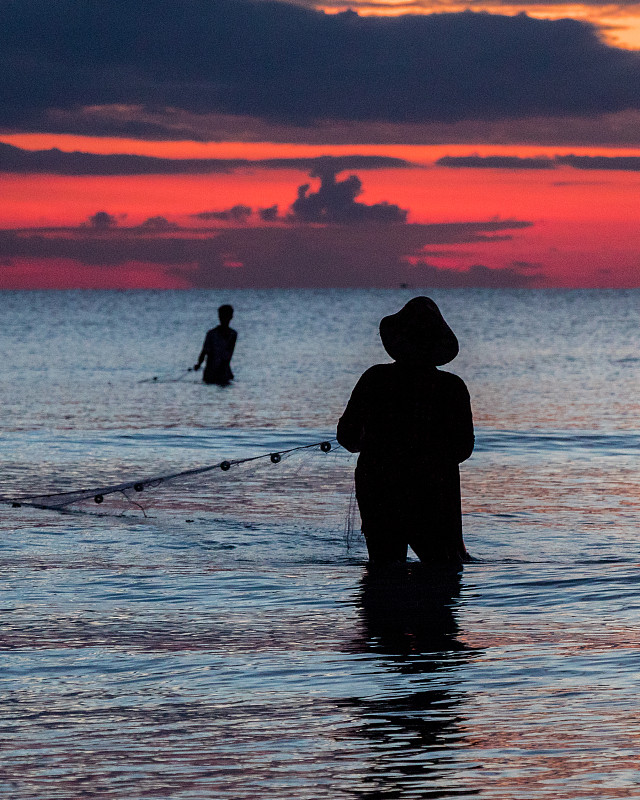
x=236, y=143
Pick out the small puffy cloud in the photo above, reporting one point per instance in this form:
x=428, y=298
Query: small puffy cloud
x=158, y=225
x=335, y=201
x=268, y=214
x=102, y=221
x=238, y=213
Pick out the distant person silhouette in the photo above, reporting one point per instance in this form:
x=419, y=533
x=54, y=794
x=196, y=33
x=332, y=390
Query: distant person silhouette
x=218, y=347
x=412, y=425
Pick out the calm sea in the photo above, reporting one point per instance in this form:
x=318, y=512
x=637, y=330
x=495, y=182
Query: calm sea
x=219, y=637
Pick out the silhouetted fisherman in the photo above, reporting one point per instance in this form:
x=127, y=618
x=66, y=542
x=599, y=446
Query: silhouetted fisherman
x=412, y=425
x=218, y=347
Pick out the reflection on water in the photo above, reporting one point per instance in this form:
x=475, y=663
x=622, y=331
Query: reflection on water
x=407, y=620
x=407, y=613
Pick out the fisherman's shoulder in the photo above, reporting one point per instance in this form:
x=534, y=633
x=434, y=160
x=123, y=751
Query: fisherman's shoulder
x=451, y=381
x=378, y=373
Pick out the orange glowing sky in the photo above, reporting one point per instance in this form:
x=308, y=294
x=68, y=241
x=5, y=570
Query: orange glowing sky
x=619, y=24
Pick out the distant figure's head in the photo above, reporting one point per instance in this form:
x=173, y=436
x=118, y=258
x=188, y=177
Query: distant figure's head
x=225, y=313
x=419, y=334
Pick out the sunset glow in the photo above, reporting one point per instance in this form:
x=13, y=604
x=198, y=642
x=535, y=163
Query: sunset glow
x=520, y=175
x=618, y=25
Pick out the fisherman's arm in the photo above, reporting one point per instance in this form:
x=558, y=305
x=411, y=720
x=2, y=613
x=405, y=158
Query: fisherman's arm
x=351, y=424
x=461, y=422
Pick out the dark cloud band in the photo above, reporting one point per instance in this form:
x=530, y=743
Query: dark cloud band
x=622, y=163
x=495, y=162
x=57, y=162
x=281, y=62
x=368, y=254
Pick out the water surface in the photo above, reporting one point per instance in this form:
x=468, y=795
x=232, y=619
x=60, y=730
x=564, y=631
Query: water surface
x=223, y=638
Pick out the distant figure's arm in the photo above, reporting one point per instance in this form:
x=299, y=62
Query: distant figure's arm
x=202, y=355
x=232, y=343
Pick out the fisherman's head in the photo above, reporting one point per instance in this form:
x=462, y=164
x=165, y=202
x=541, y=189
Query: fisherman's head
x=418, y=334
x=225, y=313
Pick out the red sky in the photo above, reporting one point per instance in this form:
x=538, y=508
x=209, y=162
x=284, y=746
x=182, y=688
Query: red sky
x=584, y=229
x=552, y=223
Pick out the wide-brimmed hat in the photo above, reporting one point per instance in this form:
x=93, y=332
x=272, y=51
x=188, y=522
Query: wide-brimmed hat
x=419, y=333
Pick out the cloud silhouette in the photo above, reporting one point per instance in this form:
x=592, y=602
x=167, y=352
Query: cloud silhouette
x=158, y=224
x=380, y=250
x=627, y=163
x=624, y=163
x=238, y=213
x=279, y=61
x=369, y=254
x=55, y=161
x=347, y=255
x=335, y=201
x=102, y=221
x=269, y=214
x=496, y=162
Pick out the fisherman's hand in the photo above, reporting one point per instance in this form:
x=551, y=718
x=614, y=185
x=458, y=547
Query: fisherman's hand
x=196, y=367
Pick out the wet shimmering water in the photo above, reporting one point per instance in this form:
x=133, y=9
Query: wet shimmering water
x=230, y=643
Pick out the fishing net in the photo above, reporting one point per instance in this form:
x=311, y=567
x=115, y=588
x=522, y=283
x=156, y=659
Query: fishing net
x=309, y=484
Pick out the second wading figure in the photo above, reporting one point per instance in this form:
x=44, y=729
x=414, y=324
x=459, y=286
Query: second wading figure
x=218, y=347
x=412, y=425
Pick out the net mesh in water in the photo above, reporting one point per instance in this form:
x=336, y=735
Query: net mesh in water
x=307, y=480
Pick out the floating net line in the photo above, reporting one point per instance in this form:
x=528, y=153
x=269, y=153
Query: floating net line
x=133, y=490
x=169, y=377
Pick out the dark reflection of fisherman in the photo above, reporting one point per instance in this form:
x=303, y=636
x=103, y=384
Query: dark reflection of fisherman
x=412, y=425
x=410, y=634
x=410, y=611
x=218, y=347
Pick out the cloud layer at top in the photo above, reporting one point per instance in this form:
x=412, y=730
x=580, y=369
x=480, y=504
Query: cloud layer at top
x=290, y=64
